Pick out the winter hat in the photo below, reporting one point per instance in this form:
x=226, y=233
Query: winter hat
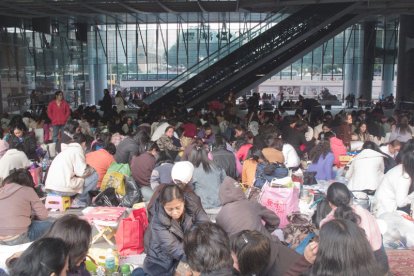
x=4, y=146
x=182, y=172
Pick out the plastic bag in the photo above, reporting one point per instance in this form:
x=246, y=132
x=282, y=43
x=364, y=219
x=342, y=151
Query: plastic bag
x=120, y=167
x=114, y=180
x=282, y=201
x=132, y=193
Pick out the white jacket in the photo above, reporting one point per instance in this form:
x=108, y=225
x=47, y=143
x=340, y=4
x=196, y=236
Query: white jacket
x=365, y=171
x=12, y=159
x=292, y=159
x=393, y=191
x=66, y=170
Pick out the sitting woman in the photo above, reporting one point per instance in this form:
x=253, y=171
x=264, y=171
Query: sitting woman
x=161, y=174
x=322, y=161
x=19, y=136
x=76, y=233
x=25, y=218
x=101, y=159
x=69, y=130
x=238, y=213
x=343, y=249
x=255, y=254
x=69, y=175
x=207, y=178
x=397, y=188
x=254, y=157
x=339, y=198
x=128, y=126
x=46, y=257
x=165, y=234
x=361, y=133
x=366, y=169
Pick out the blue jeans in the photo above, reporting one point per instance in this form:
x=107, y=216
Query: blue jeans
x=56, y=130
x=138, y=272
x=89, y=185
x=38, y=228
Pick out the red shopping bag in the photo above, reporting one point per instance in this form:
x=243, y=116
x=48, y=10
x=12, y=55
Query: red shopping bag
x=130, y=234
x=282, y=201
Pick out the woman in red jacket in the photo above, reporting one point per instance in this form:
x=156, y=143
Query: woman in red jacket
x=58, y=111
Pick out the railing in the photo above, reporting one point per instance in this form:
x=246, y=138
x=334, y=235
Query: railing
x=217, y=55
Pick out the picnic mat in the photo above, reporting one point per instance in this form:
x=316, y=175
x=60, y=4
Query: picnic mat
x=401, y=262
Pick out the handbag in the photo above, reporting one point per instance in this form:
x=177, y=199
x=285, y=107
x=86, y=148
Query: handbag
x=309, y=178
x=132, y=193
x=281, y=200
x=130, y=234
x=107, y=197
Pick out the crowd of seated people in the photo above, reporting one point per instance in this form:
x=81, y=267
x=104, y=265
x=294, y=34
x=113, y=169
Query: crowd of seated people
x=188, y=166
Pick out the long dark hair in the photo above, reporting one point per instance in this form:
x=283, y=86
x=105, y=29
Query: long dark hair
x=344, y=250
x=407, y=147
x=43, y=257
x=408, y=166
x=403, y=126
x=339, y=195
x=252, y=249
x=76, y=233
x=321, y=149
x=169, y=193
x=19, y=176
x=198, y=156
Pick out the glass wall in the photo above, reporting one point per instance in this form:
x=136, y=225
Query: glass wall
x=141, y=57
x=43, y=62
x=138, y=58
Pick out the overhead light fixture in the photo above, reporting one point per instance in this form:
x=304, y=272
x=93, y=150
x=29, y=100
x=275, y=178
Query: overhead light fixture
x=260, y=75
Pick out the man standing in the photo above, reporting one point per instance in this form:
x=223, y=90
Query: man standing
x=58, y=111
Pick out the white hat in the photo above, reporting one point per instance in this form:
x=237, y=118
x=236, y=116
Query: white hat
x=182, y=172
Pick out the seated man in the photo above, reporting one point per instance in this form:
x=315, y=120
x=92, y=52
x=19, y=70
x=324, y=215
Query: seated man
x=69, y=174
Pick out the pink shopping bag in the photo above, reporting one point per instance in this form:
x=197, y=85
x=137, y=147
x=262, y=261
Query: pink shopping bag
x=282, y=201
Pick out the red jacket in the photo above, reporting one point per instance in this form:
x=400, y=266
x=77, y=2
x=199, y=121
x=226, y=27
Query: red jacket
x=58, y=114
x=338, y=148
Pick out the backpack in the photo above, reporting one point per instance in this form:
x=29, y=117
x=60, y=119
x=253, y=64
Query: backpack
x=266, y=173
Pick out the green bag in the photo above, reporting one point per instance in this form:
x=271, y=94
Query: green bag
x=121, y=168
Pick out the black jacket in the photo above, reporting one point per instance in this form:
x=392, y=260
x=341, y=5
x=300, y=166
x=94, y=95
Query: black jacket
x=28, y=143
x=281, y=259
x=164, y=240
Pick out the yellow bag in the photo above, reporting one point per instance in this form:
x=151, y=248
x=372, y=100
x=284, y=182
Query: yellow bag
x=114, y=180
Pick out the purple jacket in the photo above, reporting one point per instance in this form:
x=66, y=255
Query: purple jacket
x=323, y=167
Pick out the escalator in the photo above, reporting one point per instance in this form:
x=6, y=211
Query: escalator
x=261, y=57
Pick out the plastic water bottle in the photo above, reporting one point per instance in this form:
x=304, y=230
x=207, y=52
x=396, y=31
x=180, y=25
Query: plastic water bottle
x=45, y=162
x=110, y=262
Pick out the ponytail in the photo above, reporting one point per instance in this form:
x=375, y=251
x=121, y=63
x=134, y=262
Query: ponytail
x=339, y=195
x=346, y=212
